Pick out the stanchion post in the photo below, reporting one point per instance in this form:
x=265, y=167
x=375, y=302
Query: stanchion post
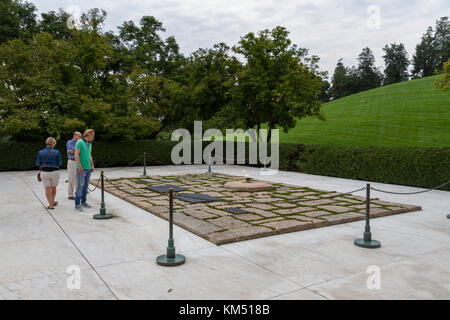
x=209, y=165
x=102, y=215
x=170, y=259
x=366, y=241
x=144, y=174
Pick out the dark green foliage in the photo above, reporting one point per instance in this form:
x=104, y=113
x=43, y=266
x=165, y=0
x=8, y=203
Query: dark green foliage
x=365, y=76
x=420, y=167
x=411, y=166
x=396, y=61
x=433, y=50
x=17, y=20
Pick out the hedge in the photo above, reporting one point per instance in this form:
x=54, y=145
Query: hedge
x=411, y=166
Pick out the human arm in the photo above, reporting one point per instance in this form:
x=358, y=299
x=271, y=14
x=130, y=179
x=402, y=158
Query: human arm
x=92, y=159
x=77, y=159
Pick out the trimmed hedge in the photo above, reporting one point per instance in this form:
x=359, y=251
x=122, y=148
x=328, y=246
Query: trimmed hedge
x=412, y=166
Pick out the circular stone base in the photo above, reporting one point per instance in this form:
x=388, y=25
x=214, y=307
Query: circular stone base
x=374, y=244
x=102, y=216
x=164, y=261
x=248, y=186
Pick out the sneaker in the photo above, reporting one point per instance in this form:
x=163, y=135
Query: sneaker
x=79, y=208
x=86, y=205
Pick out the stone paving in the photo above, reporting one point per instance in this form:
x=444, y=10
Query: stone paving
x=283, y=209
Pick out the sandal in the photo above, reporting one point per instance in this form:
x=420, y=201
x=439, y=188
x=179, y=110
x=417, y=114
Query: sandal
x=55, y=203
x=50, y=208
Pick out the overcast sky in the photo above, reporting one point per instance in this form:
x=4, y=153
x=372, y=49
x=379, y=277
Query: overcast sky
x=330, y=29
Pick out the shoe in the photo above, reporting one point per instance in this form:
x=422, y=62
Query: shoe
x=79, y=208
x=71, y=198
x=86, y=205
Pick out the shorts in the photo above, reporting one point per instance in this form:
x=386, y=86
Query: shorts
x=50, y=179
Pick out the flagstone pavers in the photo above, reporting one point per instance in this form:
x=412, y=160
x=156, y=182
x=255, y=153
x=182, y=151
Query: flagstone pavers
x=285, y=208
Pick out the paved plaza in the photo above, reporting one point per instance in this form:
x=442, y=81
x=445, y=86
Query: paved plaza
x=285, y=208
x=116, y=257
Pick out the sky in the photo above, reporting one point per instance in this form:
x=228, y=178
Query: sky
x=331, y=29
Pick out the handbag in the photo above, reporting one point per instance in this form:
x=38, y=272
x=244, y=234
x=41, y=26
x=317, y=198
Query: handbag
x=40, y=169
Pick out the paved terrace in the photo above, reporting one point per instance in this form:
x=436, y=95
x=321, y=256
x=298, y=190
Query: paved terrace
x=117, y=256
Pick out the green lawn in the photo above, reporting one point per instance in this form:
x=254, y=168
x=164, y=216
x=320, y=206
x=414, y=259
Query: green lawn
x=411, y=113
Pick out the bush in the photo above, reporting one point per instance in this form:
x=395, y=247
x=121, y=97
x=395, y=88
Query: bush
x=412, y=166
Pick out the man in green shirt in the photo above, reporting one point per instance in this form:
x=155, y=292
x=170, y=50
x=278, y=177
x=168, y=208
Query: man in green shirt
x=85, y=166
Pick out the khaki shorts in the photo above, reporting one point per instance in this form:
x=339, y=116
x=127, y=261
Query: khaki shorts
x=50, y=179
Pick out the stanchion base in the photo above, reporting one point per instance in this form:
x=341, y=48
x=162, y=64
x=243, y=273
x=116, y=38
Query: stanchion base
x=102, y=216
x=373, y=244
x=163, y=260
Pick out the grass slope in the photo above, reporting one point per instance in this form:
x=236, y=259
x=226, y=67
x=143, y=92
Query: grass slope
x=411, y=113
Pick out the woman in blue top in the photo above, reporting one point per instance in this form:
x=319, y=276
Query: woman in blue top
x=49, y=161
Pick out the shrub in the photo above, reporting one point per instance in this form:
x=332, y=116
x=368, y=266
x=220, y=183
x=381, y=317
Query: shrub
x=412, y=166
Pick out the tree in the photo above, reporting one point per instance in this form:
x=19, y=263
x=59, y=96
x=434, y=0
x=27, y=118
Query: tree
x=55, y=23
x=424, y=60
x=442, y=42
x=209, y=75
x=396, y=61
x=52, y=87
x=369, y=76
x=142, y=45
x=433, y=50
x=325, y=94
x=17, y=20
x=276, y=86
x=339, y=81
x=444, y=82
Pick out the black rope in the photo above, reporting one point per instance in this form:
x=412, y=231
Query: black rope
x=410, y=193
x=96, y=186
x=129, y=165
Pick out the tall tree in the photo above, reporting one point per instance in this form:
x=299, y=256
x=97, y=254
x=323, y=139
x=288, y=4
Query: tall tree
x=209, y=76
x=369, y=76
x=442, y=42
x=17, y=20
x=144, y=46
x=397, y=62
x=433, y=50
x=276, y=85
x=338, y=81
x=55, y=23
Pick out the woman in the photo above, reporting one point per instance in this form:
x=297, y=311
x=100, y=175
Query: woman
x=49, y=161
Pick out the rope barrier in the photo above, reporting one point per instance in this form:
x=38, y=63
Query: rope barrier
x=410, y=193
x=121, y=168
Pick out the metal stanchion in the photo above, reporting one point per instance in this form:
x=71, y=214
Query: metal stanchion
x=366, y=241
x=144, y=174
x=102, y=215
x=170, y=259
x=209, y=165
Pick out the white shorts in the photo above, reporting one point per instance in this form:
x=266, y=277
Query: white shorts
x=50, y=179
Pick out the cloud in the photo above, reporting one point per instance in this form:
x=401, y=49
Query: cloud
x=328, y=28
